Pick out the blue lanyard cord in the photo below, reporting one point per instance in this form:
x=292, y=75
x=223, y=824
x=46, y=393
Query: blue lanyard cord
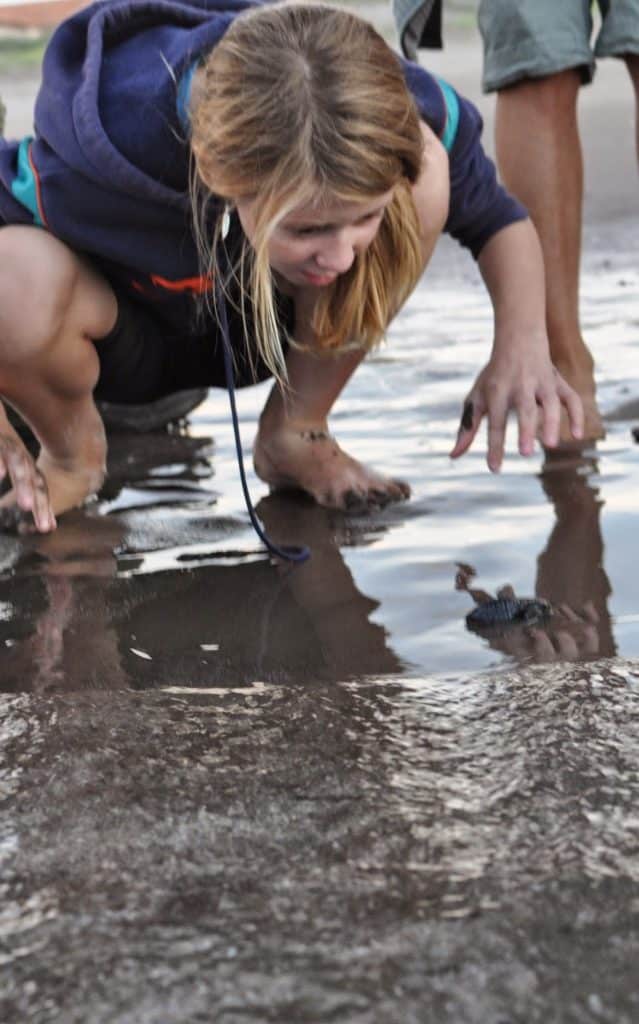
x=291, y=553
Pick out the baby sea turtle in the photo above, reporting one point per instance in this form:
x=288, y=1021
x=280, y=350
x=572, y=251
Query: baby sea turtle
x=506, y=609
x=501, y=611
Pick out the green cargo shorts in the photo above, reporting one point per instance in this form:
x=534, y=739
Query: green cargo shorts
x=534, y=38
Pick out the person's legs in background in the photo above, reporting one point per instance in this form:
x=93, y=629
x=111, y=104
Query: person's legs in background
x=632, y=63
x=536, y=56
x=619, y=37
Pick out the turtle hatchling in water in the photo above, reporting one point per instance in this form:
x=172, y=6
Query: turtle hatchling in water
x=504, y=610
x=508, y=611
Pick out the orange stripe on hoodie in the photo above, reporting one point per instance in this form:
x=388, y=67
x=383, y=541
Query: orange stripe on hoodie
x=197, y=285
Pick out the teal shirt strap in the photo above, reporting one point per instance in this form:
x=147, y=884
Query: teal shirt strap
x=452, y=114
x=24, y=186
x=184, y=96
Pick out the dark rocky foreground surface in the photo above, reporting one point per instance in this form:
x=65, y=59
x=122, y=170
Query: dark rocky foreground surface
x=361, y=852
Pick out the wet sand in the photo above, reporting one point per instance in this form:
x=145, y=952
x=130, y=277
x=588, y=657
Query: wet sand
x=238, y=792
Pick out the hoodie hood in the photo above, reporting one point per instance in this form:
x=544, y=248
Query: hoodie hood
x=107, y=170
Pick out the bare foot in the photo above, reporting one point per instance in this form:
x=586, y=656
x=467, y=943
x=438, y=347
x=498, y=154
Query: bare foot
x=593, y=424
x=583, y=381
x=312, y=461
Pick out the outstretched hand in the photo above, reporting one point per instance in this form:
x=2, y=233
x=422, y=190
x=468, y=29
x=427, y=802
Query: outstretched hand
x=519, y=375
x=524, y=381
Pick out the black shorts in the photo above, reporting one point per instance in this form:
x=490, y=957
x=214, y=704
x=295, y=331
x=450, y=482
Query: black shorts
x=146, y=357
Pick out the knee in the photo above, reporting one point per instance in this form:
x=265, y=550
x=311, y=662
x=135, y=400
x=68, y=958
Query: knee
x=549, y=96
x=38, y=278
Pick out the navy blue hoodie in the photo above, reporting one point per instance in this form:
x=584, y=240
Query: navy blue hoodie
x=107, y=170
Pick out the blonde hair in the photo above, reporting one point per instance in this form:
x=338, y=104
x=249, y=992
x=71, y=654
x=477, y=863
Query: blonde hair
x=301, y=104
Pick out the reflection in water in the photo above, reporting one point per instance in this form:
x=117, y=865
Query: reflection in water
x=89, y=606
x=98, y=622
x=570, y=575
x=323, y=587
x=570, y=571
x=236, y=620
x=62, y=584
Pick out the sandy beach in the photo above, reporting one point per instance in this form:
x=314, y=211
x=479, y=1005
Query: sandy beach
x=233, y=792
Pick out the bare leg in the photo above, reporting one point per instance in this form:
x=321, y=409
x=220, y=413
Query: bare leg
x=48, y=365
x=632, y=63
x=540, y=161
x=294, y=449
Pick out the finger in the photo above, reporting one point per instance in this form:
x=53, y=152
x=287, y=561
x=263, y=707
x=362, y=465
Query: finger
x=496, y=435
x=542, y=645
x=568, y=613
x=591, y=640
x=551, y=415
x=527, y=419
x=516, y=643
x=471, y=417
x=43, y=516
x=590, y=613
x=20, y=467
x=566, y=645
x=32, y=496
x=572, y=402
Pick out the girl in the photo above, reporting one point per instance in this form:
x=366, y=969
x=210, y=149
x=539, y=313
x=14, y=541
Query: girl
x=333, y=164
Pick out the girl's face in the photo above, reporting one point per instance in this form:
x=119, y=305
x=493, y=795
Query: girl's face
x=314, y=244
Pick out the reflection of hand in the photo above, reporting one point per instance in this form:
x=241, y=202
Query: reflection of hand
x=569, y=636
x=74, y=642
x=565, y=635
